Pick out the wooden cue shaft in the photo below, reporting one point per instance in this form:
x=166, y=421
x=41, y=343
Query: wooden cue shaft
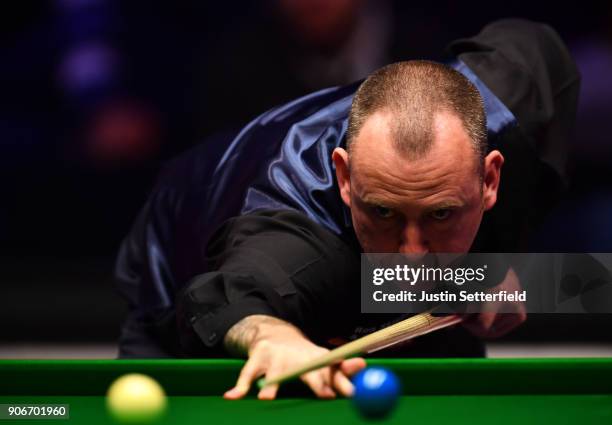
x=439, y=324
x=409, y=328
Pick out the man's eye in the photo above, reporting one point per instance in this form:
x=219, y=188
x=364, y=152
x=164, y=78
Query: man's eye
x=441, y=214
x=383, y=212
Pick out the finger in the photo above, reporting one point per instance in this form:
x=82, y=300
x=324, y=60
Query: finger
x=506, y=322
x=350, y=367
x=269, y=391
x=514, y=315
x=520, y=312
x=328, y=389
x=486, y=321
x=480, y=324
x=251, y=370
x=319, y=383
x=342, y=384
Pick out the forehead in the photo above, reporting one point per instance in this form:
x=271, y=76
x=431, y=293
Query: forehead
x=379, y=168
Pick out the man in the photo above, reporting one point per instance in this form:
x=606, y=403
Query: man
x=251, y=246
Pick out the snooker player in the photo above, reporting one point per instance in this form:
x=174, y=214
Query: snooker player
x=250, y=245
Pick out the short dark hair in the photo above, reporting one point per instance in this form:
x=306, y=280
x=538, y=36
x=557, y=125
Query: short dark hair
x=414, y=91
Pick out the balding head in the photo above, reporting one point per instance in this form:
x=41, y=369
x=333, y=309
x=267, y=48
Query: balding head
x=418, y=180
x=413, y=93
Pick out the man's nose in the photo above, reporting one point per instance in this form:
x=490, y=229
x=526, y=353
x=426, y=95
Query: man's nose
x=413, y=240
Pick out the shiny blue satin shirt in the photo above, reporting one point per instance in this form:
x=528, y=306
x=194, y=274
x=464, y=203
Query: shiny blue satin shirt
x=280, y=160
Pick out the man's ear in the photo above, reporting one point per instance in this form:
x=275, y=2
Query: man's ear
x=493, y=163
x=340, y=158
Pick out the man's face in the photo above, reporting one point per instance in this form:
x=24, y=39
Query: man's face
x=431, y=204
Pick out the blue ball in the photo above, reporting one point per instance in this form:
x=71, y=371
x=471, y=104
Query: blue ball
x=376, y=392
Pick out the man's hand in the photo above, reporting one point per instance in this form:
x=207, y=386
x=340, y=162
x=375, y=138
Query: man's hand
x=492, y=323
x=273, y=347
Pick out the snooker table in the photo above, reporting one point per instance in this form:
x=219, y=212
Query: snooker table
x=449, y=391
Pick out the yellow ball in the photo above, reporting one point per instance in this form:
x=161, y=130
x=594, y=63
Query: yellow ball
x=136, y=399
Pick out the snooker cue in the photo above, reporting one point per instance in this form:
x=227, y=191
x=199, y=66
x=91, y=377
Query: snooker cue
x=412, y=327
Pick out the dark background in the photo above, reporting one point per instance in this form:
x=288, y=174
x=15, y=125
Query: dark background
x=96, y=94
